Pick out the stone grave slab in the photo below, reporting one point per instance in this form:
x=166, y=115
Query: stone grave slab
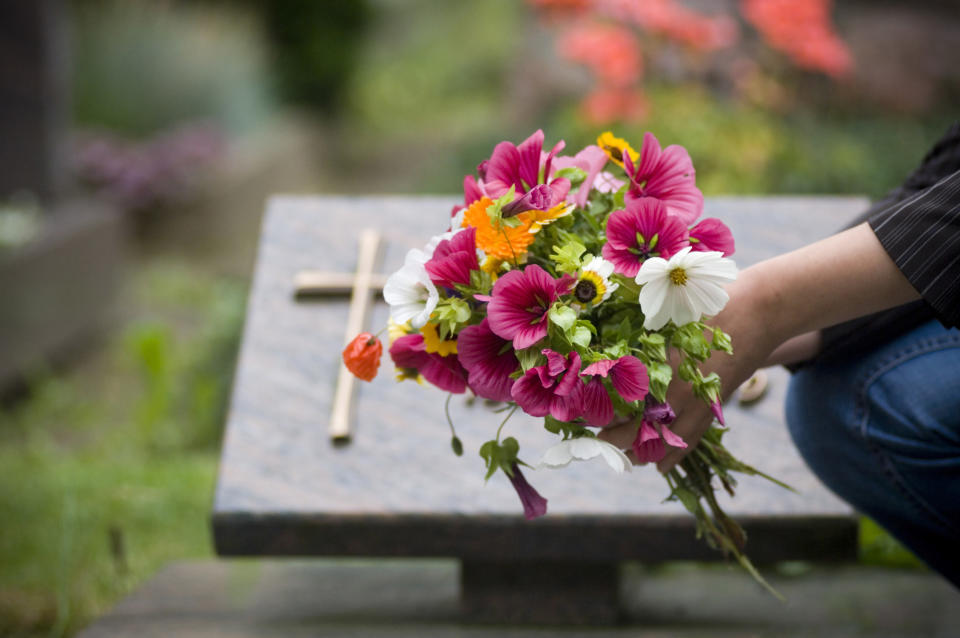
x=397, y=490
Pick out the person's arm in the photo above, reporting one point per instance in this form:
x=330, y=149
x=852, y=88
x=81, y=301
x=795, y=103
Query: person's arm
x=833, y=280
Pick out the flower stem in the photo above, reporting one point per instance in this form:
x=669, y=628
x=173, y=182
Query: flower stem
x=504, y=422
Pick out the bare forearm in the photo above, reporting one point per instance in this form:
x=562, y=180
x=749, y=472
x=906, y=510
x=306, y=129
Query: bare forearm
x=839, y=278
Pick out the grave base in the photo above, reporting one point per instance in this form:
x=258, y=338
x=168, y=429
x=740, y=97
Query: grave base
x=540, y=592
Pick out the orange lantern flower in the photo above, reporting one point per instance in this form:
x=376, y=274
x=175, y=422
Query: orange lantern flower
x=362, y=356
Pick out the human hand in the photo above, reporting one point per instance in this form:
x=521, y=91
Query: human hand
x=749, y=321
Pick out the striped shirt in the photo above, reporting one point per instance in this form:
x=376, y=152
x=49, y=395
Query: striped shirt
x=922, y=236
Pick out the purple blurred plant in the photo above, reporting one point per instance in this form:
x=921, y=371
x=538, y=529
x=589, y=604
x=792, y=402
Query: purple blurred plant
x=142, y=175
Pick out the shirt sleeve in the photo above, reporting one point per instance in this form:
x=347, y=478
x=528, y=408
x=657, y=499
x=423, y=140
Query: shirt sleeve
x=921, y=233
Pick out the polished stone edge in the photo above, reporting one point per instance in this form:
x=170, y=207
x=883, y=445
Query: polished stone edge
x=510, y=538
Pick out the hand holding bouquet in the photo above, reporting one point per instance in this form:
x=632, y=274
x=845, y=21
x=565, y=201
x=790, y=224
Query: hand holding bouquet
x=575, y=288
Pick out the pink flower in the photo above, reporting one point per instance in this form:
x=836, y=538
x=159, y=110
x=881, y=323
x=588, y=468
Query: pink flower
x=649, y=446
x=667, y=175
x=446, y=373
x=519, y=167
x=489, y=361
x=453, y=259
x=534, y=505
x=643, y=230
x=627, y=375
x=553, y=388
x=591, y=160
x=711, y=234
x=520, y=300
x=717, y=408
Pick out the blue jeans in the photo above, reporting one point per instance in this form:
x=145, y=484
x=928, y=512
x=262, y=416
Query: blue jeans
x=883, y=432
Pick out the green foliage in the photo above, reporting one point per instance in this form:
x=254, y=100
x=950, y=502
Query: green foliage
x=564, y=317
x=500, y=455
x=316, y=45
x=451, y=314
x=690, y=339
x=566, y=256
x=144, y=65
x=106, y=476
x=564, y=429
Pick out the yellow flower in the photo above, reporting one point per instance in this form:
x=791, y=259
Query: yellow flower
x=433, y=343
x=491, y=266
x=409, y=374
x=540, y=218
x=396, y=330
x=615, y=147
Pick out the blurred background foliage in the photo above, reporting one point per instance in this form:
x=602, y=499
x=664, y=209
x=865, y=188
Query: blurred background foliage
x=107, y=465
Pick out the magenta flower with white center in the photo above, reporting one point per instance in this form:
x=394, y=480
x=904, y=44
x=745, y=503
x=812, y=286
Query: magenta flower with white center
x=534, y=505
x=489, y=361
x=627, y=375
x=409, y=352
x=519, y=303
x=553, y=389
x=644, y=229
x=453, y=259
x=667, y=175
x=711, y=234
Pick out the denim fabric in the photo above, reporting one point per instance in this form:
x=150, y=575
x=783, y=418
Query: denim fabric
x=882, y=430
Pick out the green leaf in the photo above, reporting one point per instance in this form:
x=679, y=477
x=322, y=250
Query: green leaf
x=562, y=316
x=495, y=210
x=450, y=314
x=688, y=498
x=617, y=350
x=574, y=174
x=654, y=345
x=619, y=195
x=567, y=430
x=480, y=281
x=660, y=375
x=567, y=255
x=689, y=338
x=721, y=341
x=581, y=336
x=530, y=357
x=688, y=370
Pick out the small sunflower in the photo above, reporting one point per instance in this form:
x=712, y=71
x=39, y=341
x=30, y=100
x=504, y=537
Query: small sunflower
x=615, y=147
x=594, y=285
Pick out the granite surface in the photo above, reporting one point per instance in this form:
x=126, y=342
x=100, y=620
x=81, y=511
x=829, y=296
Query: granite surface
x=397, y=489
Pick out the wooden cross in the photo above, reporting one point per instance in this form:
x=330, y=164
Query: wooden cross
x=361, y=286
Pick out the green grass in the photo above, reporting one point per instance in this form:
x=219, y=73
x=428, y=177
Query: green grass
x=107, y=471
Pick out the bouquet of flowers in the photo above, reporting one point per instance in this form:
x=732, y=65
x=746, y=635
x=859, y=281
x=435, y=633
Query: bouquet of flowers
x=560, y=288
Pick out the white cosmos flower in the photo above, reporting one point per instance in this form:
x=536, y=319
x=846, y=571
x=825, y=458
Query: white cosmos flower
x=685, y=288
x=584, y=449
x=409, y=291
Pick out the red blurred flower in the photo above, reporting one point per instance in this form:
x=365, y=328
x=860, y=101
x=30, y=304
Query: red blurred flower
x=802, y=30
x=362, y=356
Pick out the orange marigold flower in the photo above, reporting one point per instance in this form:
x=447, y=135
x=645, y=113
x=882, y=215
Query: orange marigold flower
x=362, y=356
x=498, y=240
